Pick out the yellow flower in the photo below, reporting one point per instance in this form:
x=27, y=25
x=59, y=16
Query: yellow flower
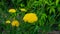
x=12, y=10
x=15, y=23
x=8, y=21
x=23, y=10
x=30, y=17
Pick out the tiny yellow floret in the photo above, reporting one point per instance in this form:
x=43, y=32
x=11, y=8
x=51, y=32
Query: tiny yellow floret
x=12, y=10
x=30, y=17
x=8, y=21
x=15, y=23
x=23, y=10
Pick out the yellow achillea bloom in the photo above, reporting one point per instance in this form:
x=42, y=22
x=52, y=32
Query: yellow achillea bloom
x=22, y=9
x=15, y=23
x=30, y=17
x=12, y=10
x=8, y=21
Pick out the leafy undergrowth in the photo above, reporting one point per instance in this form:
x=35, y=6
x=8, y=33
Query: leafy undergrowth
x=29, y=16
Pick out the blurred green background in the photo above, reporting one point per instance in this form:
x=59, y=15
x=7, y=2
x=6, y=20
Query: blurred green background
x=48, y=12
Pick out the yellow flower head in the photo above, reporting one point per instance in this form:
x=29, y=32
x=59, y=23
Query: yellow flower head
x=30, y=17
x=8, y=21
x=12, y=10
x=23, y=10
x=15, y=23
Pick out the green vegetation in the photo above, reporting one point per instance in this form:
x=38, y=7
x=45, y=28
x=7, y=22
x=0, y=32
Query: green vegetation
x=47, y=11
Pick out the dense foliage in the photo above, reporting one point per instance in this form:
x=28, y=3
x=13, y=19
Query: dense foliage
x=47, y=11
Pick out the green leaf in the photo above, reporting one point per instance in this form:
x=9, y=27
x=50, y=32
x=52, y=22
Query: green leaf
x=18, y=1
x=58, y=7
x=43, y=16
x=52, y=10
x=13, y=1
x=57, y=1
